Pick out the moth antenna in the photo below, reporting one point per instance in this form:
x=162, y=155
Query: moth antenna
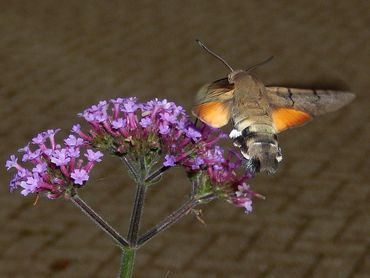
x=260, y=64
x=214, y=54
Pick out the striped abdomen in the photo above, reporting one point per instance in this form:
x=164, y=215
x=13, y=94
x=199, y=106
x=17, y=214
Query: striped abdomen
x=258, y=144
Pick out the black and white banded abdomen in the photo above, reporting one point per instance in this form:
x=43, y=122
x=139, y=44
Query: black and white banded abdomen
x=259, y=146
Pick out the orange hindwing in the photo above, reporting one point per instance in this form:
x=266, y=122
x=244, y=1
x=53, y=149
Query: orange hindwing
x=284, y=118
x=215, y=114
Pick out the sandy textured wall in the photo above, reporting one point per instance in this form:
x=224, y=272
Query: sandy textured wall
x=59, y=58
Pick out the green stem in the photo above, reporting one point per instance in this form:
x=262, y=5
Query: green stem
x=168, y=221
x=127, y=265
x=130, y=167
x=128, y=254
x=161, y=170
x=136, y=214
x=174, y=217
x=156, y=173
x=99, y=221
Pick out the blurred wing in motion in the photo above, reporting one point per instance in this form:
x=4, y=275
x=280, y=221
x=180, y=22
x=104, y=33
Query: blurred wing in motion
x=214, y=103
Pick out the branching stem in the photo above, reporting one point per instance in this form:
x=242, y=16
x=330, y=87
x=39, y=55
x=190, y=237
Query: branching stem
x=99, y=221
x=183, y=210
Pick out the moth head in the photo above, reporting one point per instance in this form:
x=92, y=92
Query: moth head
x=237, y=74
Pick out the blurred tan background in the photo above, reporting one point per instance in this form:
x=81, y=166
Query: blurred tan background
x=59, y=57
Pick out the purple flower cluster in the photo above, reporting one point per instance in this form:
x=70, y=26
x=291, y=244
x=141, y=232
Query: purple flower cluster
x=51, y=168
x=124, y=126
x=159, y=129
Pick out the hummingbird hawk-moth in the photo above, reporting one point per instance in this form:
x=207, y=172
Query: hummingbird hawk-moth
x=260, y=112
